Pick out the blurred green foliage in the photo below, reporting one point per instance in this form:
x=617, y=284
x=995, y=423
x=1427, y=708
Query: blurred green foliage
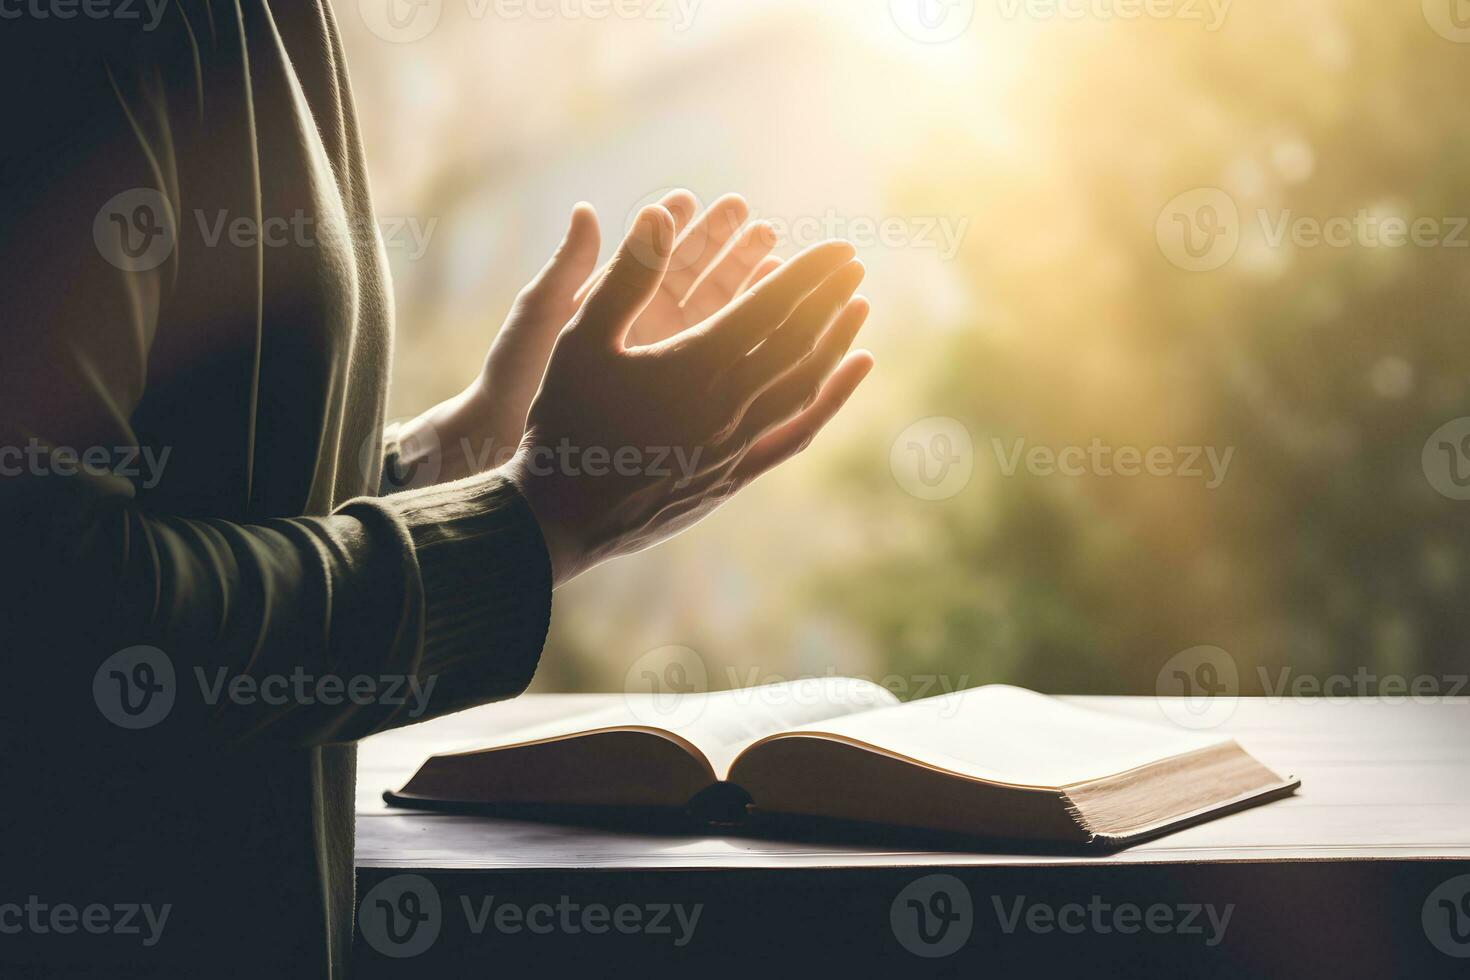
x=1326, y=550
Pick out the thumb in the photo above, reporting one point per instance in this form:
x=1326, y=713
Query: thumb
x=631, y=281
x=574, y=260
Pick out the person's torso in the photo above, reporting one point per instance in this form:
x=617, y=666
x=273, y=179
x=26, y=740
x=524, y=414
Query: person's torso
x=269, y=368
x=265, y=394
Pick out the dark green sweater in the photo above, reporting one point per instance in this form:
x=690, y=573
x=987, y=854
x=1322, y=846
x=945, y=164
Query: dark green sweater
x=142, y=312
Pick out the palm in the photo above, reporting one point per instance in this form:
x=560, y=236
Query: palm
x=717, y=256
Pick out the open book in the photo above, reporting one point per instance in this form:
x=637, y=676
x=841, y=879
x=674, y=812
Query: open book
x=991, y=762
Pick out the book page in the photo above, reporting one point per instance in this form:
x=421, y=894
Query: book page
x=1009, y=735
x=722, y=724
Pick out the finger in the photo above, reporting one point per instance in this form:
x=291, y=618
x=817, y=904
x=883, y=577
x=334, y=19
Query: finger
x=702, y=243
x=794, y=436
x=631, y=281
x=564, y=275
x=798, y=337
x=767, y=266
x=758, y=313
x=800, y=388
x=681, y=204
x=721, y=283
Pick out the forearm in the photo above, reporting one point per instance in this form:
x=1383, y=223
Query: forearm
x=444, y=596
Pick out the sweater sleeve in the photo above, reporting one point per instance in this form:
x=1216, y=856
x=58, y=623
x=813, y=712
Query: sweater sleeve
x=305, y=629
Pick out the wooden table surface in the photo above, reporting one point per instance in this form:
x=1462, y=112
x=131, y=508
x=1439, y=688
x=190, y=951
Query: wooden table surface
x=1380, y=781
x=1347, y=879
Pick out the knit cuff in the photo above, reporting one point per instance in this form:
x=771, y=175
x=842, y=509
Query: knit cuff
x=487, y=584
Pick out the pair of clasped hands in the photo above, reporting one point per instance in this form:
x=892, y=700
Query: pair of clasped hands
x=694, y=340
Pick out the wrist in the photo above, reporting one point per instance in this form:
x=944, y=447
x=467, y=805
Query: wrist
x=538, y=490
x=415, y=456
x=452, y=440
